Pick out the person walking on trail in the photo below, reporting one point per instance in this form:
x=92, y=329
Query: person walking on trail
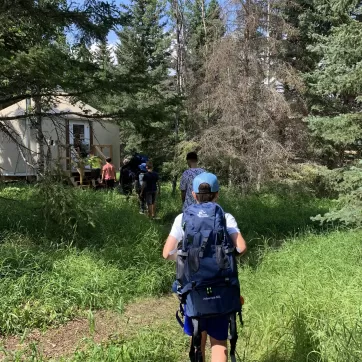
x=149, y=189
x=204, y=240
x=187, y=179
x=126, y=178
x=109, y=174
x=138, y=183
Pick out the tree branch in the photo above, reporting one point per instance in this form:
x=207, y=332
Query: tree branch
x=62, y=114
x=21, y=97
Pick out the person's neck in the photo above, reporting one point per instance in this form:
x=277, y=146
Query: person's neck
x=193, y=165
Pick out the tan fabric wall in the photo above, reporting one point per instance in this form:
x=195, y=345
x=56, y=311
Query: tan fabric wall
x=55, y=130
x=11, y=162
x=108, y=134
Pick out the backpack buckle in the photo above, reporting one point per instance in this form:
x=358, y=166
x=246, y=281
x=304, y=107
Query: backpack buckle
x=203, y=246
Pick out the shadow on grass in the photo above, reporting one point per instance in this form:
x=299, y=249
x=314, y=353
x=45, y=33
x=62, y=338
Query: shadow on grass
x=306, y=346
x=265, y=221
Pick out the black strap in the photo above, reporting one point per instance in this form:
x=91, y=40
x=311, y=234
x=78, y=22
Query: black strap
x=195, y=349
x=230, y=250
x=233, y=336
x=182, y=253
x=203, y=246
x=179, y=320
x=178, y=317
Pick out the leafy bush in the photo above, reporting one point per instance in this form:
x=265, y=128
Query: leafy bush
x=61, y=205
x=347, y=182
x=307, y=177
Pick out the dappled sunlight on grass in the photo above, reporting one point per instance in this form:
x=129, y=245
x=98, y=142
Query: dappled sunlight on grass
x=301, y=284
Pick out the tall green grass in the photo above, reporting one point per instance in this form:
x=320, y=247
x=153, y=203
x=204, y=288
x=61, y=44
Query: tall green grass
x=302, y=295
x=302, y=303
x=47, y=278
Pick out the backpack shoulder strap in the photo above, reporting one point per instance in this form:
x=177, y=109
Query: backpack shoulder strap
x=233, y=336
x=195, y=349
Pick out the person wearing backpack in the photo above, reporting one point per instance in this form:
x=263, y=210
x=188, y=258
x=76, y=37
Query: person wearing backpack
x=126, y=178
x=138, y=183
x=187, y=179
x=204, y=241
x=150, y=188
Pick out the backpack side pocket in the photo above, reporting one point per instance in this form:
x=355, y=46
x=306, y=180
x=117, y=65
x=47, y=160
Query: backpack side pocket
x=180, y=268
x=221, y=258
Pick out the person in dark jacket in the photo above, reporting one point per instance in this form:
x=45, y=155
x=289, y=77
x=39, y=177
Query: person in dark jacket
x=150, y=188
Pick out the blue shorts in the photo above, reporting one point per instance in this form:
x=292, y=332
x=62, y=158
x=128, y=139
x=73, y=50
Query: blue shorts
x=217, y=327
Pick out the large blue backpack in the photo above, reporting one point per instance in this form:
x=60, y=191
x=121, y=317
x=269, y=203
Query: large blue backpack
x=206, y=271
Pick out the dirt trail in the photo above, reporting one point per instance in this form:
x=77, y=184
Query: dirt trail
x=66, y=339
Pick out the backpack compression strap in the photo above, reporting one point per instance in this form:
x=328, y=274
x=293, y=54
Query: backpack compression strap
x=233, y=336
x=195, y=349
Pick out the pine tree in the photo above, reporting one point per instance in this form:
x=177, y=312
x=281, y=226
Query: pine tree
x=143, y=56
x=336, y=82
x=103, y=56
x=204, y=27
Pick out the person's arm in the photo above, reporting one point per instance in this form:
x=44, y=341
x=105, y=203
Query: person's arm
x=235, y=235
x=114, y=174
x=176, y=235
x=170, y=248
x=183, y=188
x=183, y=196
x=239, y=243
x=103, y=172
x=158, y=184
x=144, y=182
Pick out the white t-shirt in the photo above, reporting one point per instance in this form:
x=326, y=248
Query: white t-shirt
x=178, y=233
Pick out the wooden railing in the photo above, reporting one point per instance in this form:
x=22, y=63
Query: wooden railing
x=99, y=150
x=102, y=151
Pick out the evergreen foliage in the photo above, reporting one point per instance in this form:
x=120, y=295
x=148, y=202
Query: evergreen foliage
x=336, y=85
x=144, y=59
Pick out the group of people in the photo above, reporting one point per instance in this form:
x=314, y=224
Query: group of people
x=147, y=187
x=143, y=179
x=207, y=282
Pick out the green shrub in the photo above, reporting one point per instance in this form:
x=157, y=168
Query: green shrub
x=347, y=208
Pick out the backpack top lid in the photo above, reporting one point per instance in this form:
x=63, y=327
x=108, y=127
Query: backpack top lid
x=203, y=219
x=142, y=167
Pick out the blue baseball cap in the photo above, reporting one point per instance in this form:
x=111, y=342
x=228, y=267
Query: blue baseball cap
x=205, y=178
x=142, y=167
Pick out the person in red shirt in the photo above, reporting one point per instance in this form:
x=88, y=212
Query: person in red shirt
x=109, y=174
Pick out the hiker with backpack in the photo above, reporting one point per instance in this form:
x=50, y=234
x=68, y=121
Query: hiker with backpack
x=187, y=179
x=126, y=178
x=150, y=188
x=138, y=185
x=204, y=241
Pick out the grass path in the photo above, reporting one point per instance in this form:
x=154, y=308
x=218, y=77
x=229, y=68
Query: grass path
x=303, y=303
x=98, y=327
x=302, y=291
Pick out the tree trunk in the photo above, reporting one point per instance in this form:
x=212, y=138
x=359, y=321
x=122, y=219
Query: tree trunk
x=230, y=174
x=179, y=75
x=258, y=181
x=38, y=126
